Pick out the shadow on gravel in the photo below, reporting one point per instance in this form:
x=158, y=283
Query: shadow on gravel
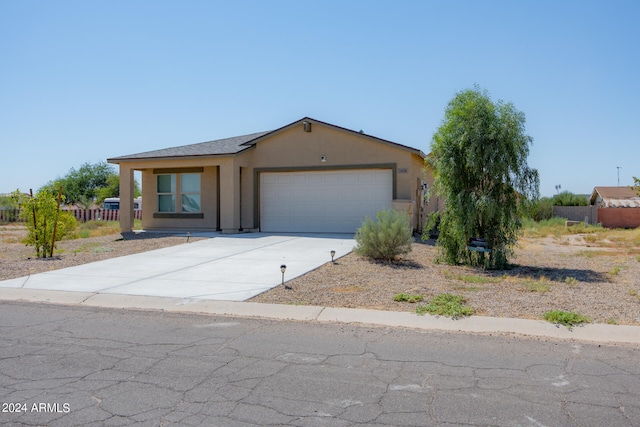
x=555, y=274
x=149, y=235
x=403, y=264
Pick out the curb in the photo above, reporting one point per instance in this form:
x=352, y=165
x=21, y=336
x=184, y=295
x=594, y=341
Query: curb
x=597, y=333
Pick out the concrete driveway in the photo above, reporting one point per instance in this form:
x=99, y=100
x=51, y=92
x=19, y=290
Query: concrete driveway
x=225, y=267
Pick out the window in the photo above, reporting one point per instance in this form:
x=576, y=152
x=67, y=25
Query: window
x=188, y=197
x=190, y=189
x=167, y=193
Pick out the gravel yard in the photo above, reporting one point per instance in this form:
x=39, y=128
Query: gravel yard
x=551, y=273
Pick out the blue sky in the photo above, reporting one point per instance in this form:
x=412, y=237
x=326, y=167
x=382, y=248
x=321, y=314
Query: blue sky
x=82, y=81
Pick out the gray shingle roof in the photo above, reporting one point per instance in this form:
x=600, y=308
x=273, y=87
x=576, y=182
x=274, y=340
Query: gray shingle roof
x=237, y=144
x=210, y=148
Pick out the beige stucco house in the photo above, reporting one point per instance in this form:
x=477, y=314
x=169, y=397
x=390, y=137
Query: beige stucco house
x=307, y=176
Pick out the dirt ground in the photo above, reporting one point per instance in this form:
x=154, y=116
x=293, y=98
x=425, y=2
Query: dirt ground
x=566, y=273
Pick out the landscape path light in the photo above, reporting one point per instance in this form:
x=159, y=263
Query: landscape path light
x=333, y=253
x=283, y=268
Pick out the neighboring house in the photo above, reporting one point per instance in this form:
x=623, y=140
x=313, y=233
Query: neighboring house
x=618, y=207
x=307, y=176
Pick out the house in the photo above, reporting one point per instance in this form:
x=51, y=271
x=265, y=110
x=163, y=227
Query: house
x=307, y=176
x=618, y=207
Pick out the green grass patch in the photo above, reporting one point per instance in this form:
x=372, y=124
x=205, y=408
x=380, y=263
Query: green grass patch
x=472, y=278
x=404, y=297
x=102, y=249
x=566, y=318
x=592, y=234
x=571, y=281
x=102, y=228
x=541, y=285
x=615, y=270
x=596, y=253
x=448, y=305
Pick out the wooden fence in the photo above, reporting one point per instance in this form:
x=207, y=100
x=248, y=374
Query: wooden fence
x=577, y=213
x=13, y=215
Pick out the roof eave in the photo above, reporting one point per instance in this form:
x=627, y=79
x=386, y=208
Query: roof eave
x=118, y=160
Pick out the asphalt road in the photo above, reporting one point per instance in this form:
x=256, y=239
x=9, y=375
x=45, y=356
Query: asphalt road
x=68, y=365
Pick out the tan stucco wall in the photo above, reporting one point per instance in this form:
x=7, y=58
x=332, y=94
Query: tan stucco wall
x=208, y=200
x=209, y=189
x=288, y=149
x=295, y=149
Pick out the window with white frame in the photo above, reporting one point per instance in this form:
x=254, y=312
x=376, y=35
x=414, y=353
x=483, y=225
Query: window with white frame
x=179, y=192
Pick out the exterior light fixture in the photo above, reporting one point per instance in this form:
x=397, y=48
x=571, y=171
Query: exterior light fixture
x=323, y=159
x=283, y=268
x=333, y=253
x=188, y=236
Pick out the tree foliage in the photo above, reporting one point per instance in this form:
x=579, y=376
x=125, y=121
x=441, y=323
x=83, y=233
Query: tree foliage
x=479, y=161
x=567, y=198
x=636, y=185
x=540, y=209
x=112, y=189
x=80, y=187
x=42, y=219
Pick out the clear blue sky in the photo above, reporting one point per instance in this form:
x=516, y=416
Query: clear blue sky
x=82, y=81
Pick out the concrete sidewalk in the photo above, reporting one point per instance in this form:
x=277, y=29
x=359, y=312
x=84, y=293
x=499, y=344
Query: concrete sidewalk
x=213, y=276
x=597, y=333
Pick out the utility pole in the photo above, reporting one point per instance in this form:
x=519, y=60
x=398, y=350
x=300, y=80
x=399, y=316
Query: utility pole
x=618, y=167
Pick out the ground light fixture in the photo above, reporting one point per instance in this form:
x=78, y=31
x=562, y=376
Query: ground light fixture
x=333, y=253
x=283, y=268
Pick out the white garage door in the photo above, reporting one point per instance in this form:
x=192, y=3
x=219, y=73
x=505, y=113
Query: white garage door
x=333, y=201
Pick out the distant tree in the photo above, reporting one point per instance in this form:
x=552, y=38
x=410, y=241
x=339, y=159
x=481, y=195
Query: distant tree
x=112, y=189
x=540, y=209
x=10, y=205
x=479, y=161
x=569, y=199
x=636, y=185
x=80, y=187
x=42, y=219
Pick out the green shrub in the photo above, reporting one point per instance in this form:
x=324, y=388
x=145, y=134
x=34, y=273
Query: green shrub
x=45, y=223
x=540, y=210
x=566, y=318
x=404, y=297
x=446, y=305
x=386, y=238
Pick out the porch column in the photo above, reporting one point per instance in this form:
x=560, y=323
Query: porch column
x=229, y=197
x=126, y=198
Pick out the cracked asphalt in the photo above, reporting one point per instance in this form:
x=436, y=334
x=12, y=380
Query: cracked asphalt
x=71, y=366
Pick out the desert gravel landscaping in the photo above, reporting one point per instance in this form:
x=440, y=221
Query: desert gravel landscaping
x=572, y=273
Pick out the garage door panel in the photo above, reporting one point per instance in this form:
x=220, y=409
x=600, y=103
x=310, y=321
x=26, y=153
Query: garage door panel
x=331, y=201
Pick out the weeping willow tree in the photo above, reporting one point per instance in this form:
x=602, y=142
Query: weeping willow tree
x=479, y=161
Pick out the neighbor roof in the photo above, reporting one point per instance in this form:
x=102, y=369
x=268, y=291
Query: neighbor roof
x=615, y=197
x=236, y=144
